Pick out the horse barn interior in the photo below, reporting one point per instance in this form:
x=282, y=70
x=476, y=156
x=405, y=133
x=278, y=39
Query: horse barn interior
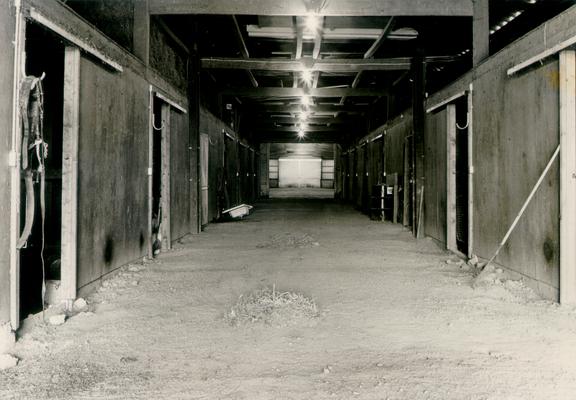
x=299, y=199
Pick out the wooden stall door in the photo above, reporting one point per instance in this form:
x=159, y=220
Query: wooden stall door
x=204, y=162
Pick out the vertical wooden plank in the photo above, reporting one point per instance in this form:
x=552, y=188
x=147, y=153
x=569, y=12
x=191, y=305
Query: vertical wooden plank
x=194, y=130
x=395, y=205
x=406, y=200
x=204, y=165
x=470, y=173
x=141, y=31
x=19, y=71
x=165, y=186
x=70, y=132
x=264, y=172
x=480, y=31
x=451, y=177
x=418, y=155
x=568, y=177
x=150, y=167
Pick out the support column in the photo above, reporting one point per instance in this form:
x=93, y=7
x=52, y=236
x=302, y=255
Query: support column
x=451, y=177
x=70, y=132
x=419, y=115
x=264, y=173
x=141, y=31
x=194, y=132
x=480, y=32
x=12, y=46
x=568, y=177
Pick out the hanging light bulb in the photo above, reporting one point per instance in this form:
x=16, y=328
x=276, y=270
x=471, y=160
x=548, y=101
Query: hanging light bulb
x=312, y=23
x=307, y=76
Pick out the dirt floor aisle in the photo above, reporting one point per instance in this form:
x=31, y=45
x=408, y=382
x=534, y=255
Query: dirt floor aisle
x=397, y=322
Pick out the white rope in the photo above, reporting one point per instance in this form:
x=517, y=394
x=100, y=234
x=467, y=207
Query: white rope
x=467, y=123
x=154, y=126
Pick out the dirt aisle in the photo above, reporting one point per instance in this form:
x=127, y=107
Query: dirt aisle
x=397, y=323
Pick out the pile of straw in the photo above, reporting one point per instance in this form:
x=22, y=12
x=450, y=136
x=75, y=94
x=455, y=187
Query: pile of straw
x=290, y=241
x=271, y=307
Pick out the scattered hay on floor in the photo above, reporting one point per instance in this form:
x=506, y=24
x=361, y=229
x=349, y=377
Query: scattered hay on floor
x=271, y=307
x=289, y=240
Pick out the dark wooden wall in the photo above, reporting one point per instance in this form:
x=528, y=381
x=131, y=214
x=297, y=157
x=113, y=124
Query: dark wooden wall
x=380, y=153
x=229, y=161
x=112, y=164
x=435, y=162
x=180, y=174
x=516, y=130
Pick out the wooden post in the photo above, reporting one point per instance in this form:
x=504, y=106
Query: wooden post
x=470, y=173
x=166, y=173
x=451, y=177
x=480, y=31
x=19, y=72
x=568, y=177
x=264, y=173
x=141, y=31
x=150, y=168
x=396, y=197
x=194, y=132
x=419, y=114
x=406, y=199
x=70, y=132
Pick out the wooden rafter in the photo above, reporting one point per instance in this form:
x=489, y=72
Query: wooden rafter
x=325, y=65
x=331, y=8
x=299, y=92
x=243, y=49
x=371, y=51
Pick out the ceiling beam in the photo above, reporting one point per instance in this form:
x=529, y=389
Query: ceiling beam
x=381, y=39
x=257, y=129
x=299, y=92
x=243, y=49
x=299, y=46
x=311, y=120
x=371, y=51
x=332, y=8
x=325, y=65
x=295, y=108
x=318, y=40
x=295, y=139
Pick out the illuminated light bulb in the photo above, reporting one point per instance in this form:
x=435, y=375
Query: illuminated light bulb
x=307, y=76
x=312, y=23
x=303, y=116
x=301, y=134
x=306, y=100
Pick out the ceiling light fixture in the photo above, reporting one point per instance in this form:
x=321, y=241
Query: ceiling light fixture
x=312, y=23
x=307, y=76
x=301, y=132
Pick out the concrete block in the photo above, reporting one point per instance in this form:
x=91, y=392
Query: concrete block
x=7, y=361
x=57, y=319
x=80, y=305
